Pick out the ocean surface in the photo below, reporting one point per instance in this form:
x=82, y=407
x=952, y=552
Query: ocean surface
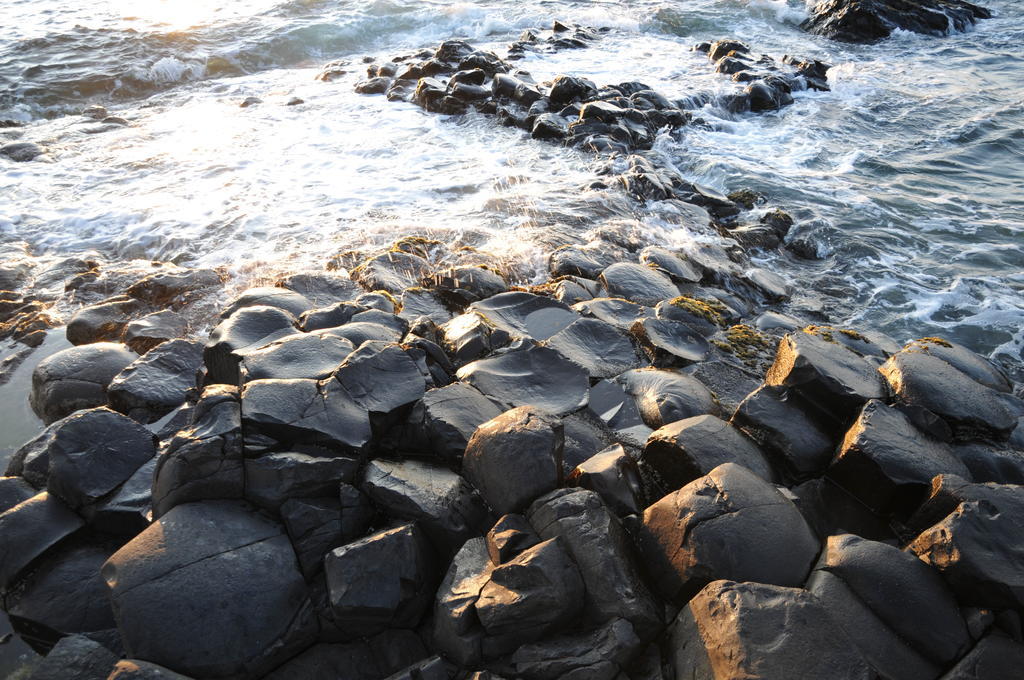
x=907, y=176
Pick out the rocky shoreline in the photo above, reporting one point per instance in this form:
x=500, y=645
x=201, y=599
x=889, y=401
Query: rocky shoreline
x=419, y=462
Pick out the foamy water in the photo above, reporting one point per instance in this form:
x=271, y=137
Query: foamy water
x=906, y=176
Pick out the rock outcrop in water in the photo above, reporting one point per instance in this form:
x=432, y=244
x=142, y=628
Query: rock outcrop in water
x=532, y=489
x=863, y=21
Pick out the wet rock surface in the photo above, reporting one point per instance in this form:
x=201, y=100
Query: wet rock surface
x=870, y=20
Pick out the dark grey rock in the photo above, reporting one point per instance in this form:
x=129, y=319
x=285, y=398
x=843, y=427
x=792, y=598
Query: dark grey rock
x=298, y=411
x=388, y=319
x=570, y=89
x=638, y=283
x=599, y=654
x=887, y=463
x=135, y=669
x=530, y=596
x=618, y=312
x=392, y=271
x=365, y=331
x=926, y=382
x=871, y=20
x=380, y=377
x=728, y=524
x=534, y=376
x=783, y=427
x=509, y=537
x=76, y=378
x=977, y=550
x=385, y=580
x=93, y=452
x=670, y=343
x=380, y=300
x=826, y=374
x=310, y=355
x=174, y=287
x=994, y=657
x=879, y=595
x=21, y=152
x=613, y=474
x=448, y=416
x=525, y=314
x=158, y=382
x=371, y=658
x=437, y=499
x=203, y=461
x=459, y=286
x=126, y=512
x=419, y=302
x=964, y=360
x=63, y=591
x=687, y=449
x=211, y=589
x=603, y=552
x=272, y=479
x=758, y=631
x=14, y=490
x=30, y=529
x=609, y=402
x=665, y=396
x=600, y=348
x=829, y=509
x=322, y=288
x=269, y=296
x=470, y=336
x=988, y=463
x=331, y=316
x=664, y=260
x=75, y=657
x=571, y=260
x=433, y=668
x=514, y=458
x=247, y=330
x=142, y=335
x=456, y=630
x=314, y=526
x=104, y=322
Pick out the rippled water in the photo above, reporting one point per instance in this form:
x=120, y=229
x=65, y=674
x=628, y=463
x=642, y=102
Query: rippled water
x=907, y=175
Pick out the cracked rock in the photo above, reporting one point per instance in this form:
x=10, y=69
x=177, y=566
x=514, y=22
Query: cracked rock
x=245, y=331
x=441, y=502
x=887, y=463
x=210, y=589
x=600, y=348
x=203, y=461
x=729, y=524
x=158, y=382
x=385, y=580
